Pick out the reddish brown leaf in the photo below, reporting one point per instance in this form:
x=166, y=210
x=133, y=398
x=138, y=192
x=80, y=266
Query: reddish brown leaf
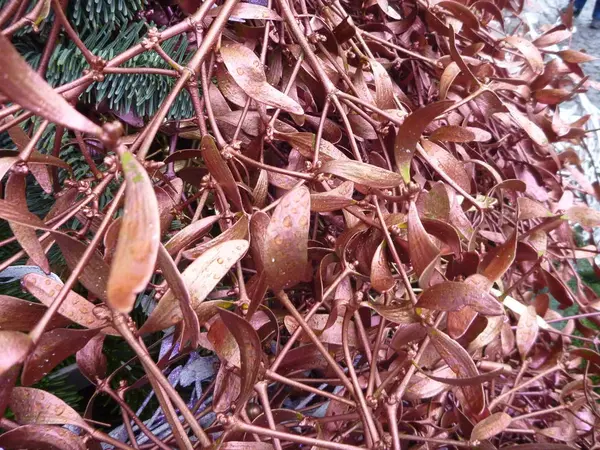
x=239, y=231
x=74, y=307
x=583, y=215
x=530, y=209
x=139, y=237
x=90, y=359
x=448, y=164
x=362, y=173
x=384, y=91
x=53, y=348
x=450, y=73
x=403, y=313
x=190, y=234
x=423, y=252
x=535, y=132
x=15, y=347
x=21, y=315
x=41, y=437
x=461, y=12
x=333, y=200
x=498, y=260
x=551, y=38
x=25, y=87
x=94, y=275
x=35, y=406
x=248, y=11
x=305, y=144
x=200, y=278
x=410, y=132
x=527, y=331
x=460, y=382
x=454, y=133
x=491, y=426
x=251, y=354
x=15, y=195
x=286, y=241
x=558, y=289
x=461, y=364
x=575, y=57
x=382, y=279
x=529, y=51
x=490, y=8
x=453, y=296
x=247, y=71
x=220, y=171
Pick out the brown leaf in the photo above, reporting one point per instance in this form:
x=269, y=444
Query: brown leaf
x=239, y=231
x=15, y=347
x=22, y=315
x=529, y=51
x=455, y=133
x=530, y=209
x=251, y=354
x=551, y=38
x=460, y=382
x=490, y=8
x=22, y=85
x=497, y=261
x=247, y=71
x=382, y=279
x=527, y=331
x=384, y=91
x=448, y=164
x=305, y=144
x=53, y=348
x=410, y=132
x=333, y=200
x=535, y=132
x=25, y=235
x=94, y=275
x=423, y=252
x=41, y=437
x=402, y=314
x=90, y=359
x=74, y=307
x=139, y=237
x=286, y=240
x=450, y=73
x=248, y=11
x=35, y=406
x=575, y=57
x=200, y=278
x=179, y=290
x=461, y=364
x=362, y=173
x=583, y=215
x=559, y=290
x=220, y=171
x=461, y=12
x=453, y=296
x=190, y=234
x=491, y=426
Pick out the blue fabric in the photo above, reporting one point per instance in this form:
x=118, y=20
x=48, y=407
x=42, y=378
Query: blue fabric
x=579, y=4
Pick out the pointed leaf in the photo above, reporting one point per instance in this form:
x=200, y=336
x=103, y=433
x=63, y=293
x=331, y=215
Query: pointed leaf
x=250, y=353
x=15, y=347
x=423, y=252
x=41, y=437
x=190, y=234
x=26, y=236
x=200, y=278
x=333, y=200
x=220, y=171
x=410, y=132
x=53, y=348
x=455, y=133
x=453, y=296
x=402, y=314
x=239, y=231
x=382, y=279
x=22, y=315
x=94, y=275
x=498, y=260
x=529, y=51
x=461, y=12
x=36, y=406
x=139, y=235
x=530, y=209
x=448, y=164
x=575, y=57
x=461, y=364
x=491, y=426
x=248, y=11
x=22, y=85
x=74, y=307
x=286, y=241
x=362, y=173
x=248, y=72
x=534, y=131
x=384, y=91
x=584, y=215
x=527, y=331
x=90, y=359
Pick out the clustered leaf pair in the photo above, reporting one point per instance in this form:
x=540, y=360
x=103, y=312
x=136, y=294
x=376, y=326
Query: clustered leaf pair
x=366, y=221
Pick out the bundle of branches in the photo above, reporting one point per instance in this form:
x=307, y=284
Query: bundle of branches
x=360, y=236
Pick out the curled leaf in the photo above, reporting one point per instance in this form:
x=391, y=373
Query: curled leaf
x=139, y=235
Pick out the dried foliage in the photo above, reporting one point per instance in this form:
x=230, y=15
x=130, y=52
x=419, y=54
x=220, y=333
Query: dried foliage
x=361, y=238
